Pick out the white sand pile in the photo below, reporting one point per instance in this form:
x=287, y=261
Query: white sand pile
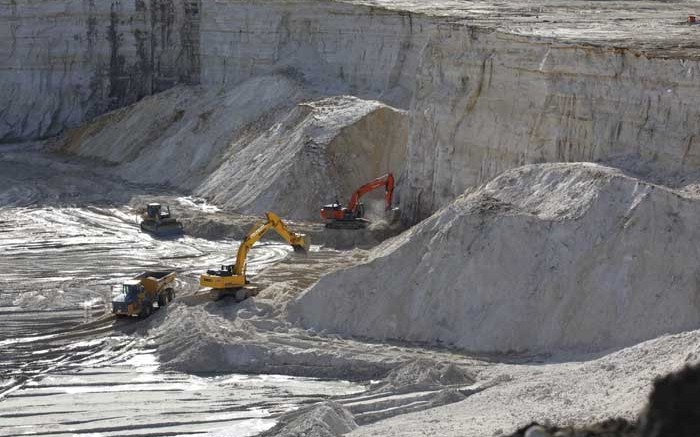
x=246, y=338
x=261, y=145
x=313, y=153
x=572, y=392
x=543, y=257
x=179, y=137
x=327, y=419
x=424, y=375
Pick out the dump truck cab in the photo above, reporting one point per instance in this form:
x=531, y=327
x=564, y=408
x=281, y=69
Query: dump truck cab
x=131, y=290
x=127, y=302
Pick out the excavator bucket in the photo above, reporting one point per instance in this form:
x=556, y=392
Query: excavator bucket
x=302, y=244
x=393, y=215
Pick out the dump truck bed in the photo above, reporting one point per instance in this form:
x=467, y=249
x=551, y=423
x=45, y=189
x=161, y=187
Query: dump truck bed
x=154, y=274
x=153, y=281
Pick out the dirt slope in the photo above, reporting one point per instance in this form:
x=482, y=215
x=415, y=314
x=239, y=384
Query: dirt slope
x=265, y=144
x=543, y=258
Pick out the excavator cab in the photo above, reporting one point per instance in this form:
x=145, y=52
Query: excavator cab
x=335, y=206
x=225, y=271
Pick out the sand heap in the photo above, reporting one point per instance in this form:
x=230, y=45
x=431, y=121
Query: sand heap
x=327, y=419
x=268, y=143
x=311, y=154
x=671, y=411
x=544, y=257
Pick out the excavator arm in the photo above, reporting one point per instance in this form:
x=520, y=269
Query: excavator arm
x=299, y=242
x=386, y=181
x=233, y=277
x=352, y=216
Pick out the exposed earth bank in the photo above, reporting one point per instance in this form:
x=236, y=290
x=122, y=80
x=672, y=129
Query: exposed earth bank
x=544, y=258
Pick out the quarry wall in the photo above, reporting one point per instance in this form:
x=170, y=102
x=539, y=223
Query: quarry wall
x=480, y=101
x=332, y=46
x=63, y=62
x=486, y=101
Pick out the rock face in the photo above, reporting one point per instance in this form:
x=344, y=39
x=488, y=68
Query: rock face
x=334, y=46
x=488, y=86
x=543, y=258
x=67, y=61
x=486, y=102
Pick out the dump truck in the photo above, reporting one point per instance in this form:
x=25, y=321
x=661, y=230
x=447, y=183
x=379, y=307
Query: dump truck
x=160, y=223
x=137, y=296
x=231, y=279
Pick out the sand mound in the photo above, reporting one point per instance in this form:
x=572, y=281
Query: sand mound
x=543, y=257
x=316, y=151
x=245, y=338
x=424, y=375
x=671, y=411
x=327, y=419
x=178, y=137
x=268, y=143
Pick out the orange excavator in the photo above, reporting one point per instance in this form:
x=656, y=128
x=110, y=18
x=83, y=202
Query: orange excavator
x=337, y=216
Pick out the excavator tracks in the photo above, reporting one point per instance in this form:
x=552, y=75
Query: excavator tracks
x=348, y=224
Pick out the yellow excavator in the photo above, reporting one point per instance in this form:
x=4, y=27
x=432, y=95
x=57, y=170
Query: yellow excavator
x=231, y=279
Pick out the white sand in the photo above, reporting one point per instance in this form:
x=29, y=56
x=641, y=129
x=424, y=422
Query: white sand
x=543, y=258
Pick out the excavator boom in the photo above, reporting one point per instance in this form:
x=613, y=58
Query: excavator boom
x=233, y=277
x=385, y=181
x=299, y=242
x=351, y=217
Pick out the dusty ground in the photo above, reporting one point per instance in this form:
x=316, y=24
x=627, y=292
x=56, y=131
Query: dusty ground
x=49, y=353
x=65, y=245
x=68, y=243
x=295, y=102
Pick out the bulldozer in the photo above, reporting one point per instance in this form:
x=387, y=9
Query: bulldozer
x=338, y=216
x=231, y=279
x=160, y=223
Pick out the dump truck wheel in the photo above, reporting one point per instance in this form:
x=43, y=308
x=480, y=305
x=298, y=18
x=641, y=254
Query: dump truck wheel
x=169, y=295
x=146, y=310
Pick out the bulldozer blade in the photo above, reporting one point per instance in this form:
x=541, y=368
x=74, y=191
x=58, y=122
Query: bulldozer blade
x=163, y=230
